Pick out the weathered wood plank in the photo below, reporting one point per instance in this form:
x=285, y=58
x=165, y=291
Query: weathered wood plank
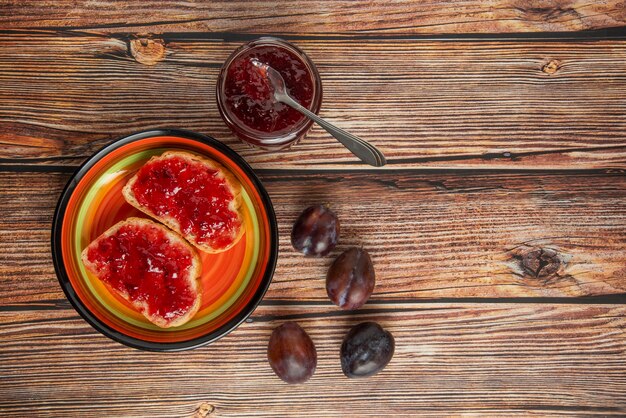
x=72, y=78
x=439, y=235
x=450, y=359
x=318, y=16
x=424, y=103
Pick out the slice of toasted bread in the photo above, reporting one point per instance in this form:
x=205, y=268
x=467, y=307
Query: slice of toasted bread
x=128, y=265
x=208, y=244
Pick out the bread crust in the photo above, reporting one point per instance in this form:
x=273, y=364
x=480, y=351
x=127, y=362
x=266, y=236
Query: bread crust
x=192, y=278
x=231, y=181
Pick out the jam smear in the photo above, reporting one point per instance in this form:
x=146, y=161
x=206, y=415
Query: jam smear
x=197, y=196
x=249, y=94
x=140, y=261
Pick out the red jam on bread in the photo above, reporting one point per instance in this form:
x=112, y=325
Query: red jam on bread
x=193, y=195
x=151, y=267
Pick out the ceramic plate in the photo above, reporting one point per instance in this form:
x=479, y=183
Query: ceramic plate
x=233, y=282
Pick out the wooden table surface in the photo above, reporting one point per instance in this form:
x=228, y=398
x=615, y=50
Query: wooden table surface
x=498, y=229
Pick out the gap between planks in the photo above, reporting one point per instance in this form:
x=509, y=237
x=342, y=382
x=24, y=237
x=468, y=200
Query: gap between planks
x=607, y=34
x=15, y=166
x=373, y=305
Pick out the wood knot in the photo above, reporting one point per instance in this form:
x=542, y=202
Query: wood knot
x=540, y=263
x=551, y=67
x=204, y=410
x=147, y=50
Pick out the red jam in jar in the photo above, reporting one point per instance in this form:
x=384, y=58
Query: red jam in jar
x=140, y=261
x=245, y=96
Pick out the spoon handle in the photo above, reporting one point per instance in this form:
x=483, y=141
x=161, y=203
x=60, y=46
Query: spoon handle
x=362, y=149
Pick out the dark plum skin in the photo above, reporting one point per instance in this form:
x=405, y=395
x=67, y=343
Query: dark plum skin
x=316, y=231
x=350, y=279
x=291, y=353
x=366, y=350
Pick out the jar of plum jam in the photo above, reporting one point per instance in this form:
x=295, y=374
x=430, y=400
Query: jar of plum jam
x=245, y=96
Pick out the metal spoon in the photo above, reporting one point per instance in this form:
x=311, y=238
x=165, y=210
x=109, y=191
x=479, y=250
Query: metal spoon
x=362, y=149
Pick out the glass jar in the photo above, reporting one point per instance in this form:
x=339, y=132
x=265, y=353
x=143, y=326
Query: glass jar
x=245, y=100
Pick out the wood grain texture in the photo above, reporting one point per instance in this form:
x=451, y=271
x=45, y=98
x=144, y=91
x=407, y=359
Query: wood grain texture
x=318, y=16
x=503, y=280
x=488, y=104
x=452, y=359
x=431, y=236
